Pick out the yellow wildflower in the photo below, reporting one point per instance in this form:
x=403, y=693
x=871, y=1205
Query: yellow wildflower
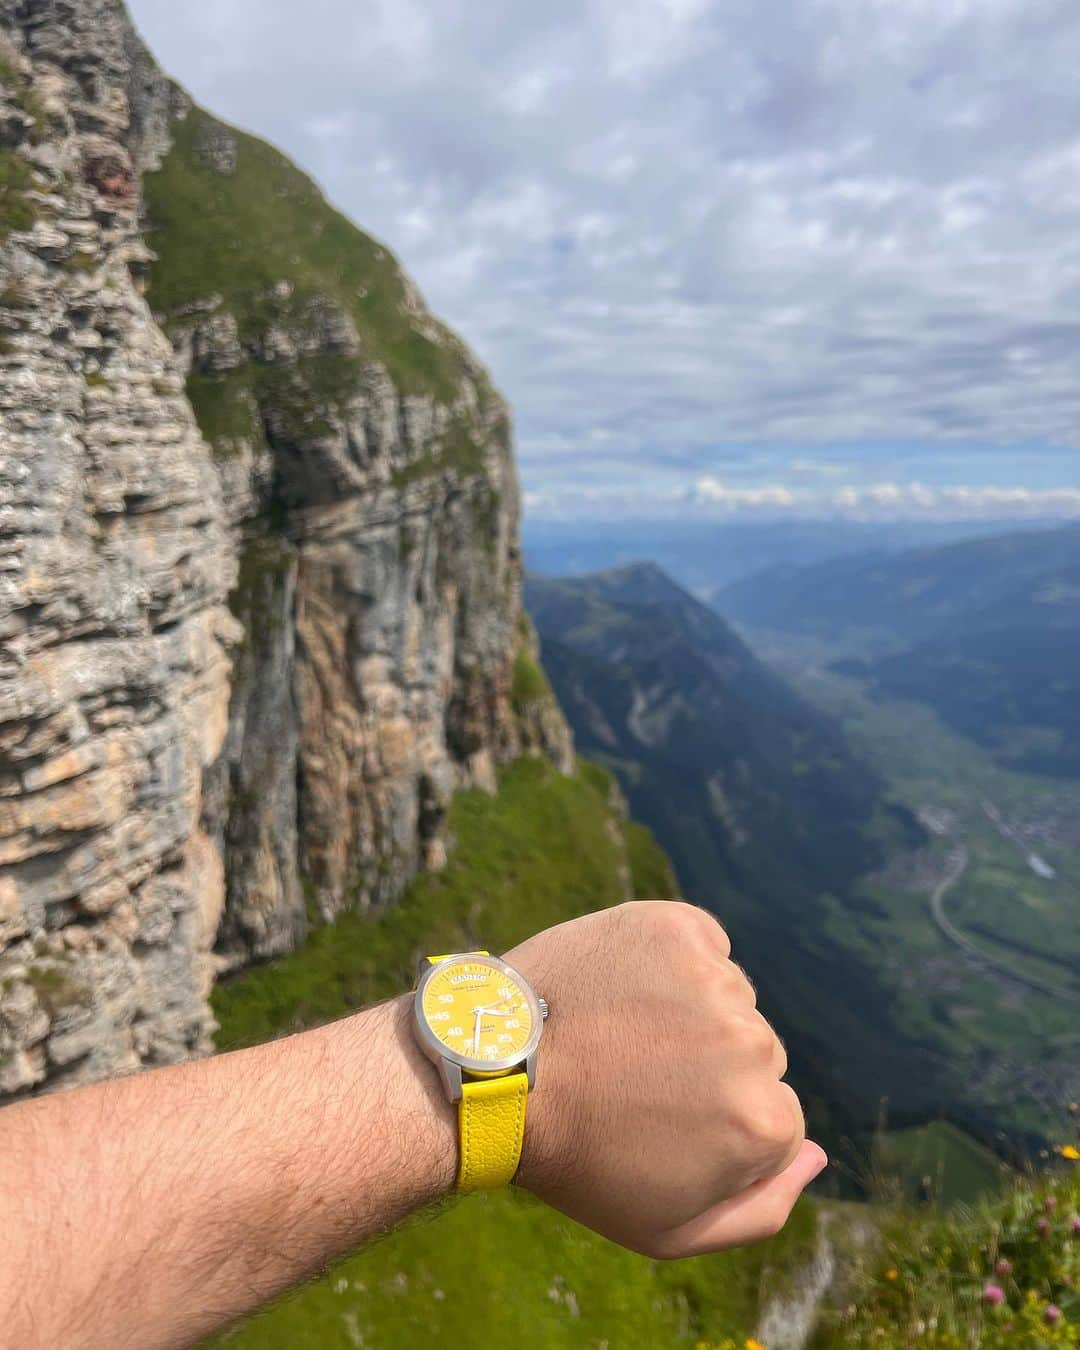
x=1070, y=1151
x=891, y=1274
x=751, y=1344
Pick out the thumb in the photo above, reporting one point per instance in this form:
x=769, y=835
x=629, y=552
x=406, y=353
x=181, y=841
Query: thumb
x=757, y=1213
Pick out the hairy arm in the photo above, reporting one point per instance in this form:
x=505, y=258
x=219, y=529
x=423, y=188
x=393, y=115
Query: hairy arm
x=150, y=1211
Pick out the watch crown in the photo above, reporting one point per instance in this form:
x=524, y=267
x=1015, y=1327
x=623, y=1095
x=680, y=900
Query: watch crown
x=544, y=1009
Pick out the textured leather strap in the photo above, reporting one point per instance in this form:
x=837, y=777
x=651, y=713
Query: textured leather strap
x=491, y=1122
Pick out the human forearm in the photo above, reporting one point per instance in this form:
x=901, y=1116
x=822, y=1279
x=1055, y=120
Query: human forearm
x=208, y=1188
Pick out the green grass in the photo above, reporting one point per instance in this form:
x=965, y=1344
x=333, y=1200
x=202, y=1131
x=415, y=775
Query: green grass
x=545, y=1283
x=650, y=867
x=936, y=1163
x=239, y=234
x=922, y=1283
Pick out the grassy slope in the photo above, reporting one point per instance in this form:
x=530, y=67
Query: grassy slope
x=541, y=851
x=263, y=239
x=958, y=1168
x=239, y=234
x=922, y=1284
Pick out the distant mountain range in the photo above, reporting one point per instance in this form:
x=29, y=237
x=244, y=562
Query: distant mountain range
x=705, y=555
x=986, y=631
x=755, y=795
x=1029, y=579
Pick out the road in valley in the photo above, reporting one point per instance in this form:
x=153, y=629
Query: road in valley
x=956, y=866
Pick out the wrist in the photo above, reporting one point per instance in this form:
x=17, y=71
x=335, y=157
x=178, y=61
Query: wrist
x=421, y=1124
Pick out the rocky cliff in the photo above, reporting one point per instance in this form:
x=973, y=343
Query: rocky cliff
x=259, y=563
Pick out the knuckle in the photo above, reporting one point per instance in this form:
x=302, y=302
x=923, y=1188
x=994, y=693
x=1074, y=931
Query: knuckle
x=684, y=916
x=701, y=925
x=757, y=1038
x=672, y=919
x=772, y=1129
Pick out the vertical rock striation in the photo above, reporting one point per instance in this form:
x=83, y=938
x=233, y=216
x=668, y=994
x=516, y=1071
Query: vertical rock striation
x=259, y=564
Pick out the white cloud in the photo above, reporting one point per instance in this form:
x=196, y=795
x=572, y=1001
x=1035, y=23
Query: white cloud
x=955, y=500
x=712, y=492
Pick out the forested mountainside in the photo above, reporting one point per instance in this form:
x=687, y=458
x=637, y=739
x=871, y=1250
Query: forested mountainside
x=758, y=790
x=763, y=808
x=986, y=632
x=259, y=590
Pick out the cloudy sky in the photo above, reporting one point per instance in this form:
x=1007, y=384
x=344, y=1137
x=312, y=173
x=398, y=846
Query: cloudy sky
x=746, y=257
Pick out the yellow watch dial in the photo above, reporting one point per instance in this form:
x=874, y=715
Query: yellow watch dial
x=478, y=1010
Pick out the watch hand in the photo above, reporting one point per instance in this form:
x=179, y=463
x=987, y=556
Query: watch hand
x=476, y=1031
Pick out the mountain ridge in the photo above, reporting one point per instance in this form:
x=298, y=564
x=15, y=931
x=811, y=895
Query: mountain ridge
x=913, y=593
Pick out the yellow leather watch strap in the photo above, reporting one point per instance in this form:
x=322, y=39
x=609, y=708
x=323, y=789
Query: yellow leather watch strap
x=491, y=1122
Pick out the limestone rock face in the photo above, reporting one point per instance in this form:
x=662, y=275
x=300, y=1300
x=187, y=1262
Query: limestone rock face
x=259, y=563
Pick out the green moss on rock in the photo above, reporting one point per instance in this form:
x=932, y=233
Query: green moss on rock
x=528, y=684
x=20, y=88
x=265, y=563
x=303, y=400
x=457, y=451
x=17, y=211
x=56, y=988
x=226, y=410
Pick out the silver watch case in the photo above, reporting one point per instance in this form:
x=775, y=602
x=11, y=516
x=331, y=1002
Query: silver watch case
x=450, y=1063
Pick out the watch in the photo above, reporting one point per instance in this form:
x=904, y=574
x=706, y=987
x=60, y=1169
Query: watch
x=479, y=1021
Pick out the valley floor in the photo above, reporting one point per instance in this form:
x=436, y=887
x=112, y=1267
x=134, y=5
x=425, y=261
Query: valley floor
x=975, y=935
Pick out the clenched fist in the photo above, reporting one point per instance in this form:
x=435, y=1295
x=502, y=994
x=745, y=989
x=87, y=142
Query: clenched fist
x=660, y=1118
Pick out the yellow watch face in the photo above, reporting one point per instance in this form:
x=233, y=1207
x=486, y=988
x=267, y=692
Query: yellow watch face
x=478, y=1010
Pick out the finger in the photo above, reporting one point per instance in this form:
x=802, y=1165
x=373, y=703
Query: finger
x=757, y=1213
